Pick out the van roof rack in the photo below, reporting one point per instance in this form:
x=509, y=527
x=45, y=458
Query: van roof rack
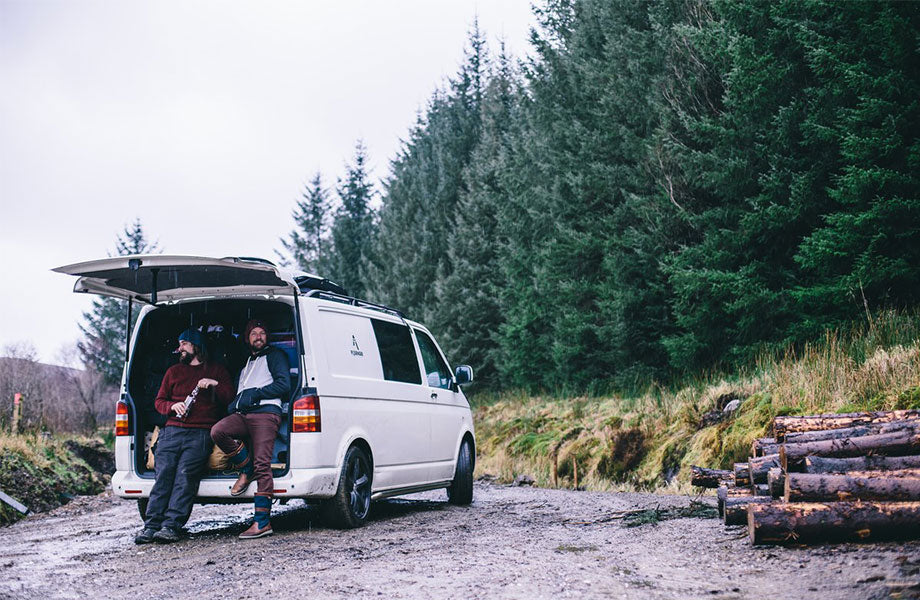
x=326, y=295
x=307, y=283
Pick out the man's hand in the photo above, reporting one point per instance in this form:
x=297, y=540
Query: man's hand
x=178, y=408
x=205, y=383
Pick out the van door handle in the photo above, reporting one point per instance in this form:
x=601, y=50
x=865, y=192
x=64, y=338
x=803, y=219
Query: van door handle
x=434, y=395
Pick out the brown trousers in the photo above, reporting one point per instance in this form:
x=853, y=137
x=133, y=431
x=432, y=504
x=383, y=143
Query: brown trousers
x=260, y=429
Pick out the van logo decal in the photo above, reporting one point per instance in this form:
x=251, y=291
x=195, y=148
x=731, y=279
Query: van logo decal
x=357, y=350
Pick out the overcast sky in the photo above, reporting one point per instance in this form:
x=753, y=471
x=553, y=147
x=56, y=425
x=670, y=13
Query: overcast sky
x=203, y=119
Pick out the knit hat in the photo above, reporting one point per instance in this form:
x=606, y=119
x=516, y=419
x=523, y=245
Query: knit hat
x=193, y=336
x=252, y=324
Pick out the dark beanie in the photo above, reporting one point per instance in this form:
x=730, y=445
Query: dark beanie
x=193, y=336
x=252, y=324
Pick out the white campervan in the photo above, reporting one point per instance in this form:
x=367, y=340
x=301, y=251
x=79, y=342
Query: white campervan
x=375, y=411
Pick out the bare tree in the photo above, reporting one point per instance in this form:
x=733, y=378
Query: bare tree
x=20, y=373
x=87, y=398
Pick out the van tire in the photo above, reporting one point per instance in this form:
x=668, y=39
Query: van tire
x=352, y=501
x=460, y=491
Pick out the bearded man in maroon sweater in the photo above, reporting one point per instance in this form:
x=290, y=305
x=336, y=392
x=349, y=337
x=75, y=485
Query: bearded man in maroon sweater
x=184, y=443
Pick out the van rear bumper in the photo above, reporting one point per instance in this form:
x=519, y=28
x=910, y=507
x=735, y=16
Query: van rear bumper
x=297, y=483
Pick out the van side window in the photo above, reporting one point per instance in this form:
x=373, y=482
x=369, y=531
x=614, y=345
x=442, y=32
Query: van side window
x=397, y=354
x=436, y=370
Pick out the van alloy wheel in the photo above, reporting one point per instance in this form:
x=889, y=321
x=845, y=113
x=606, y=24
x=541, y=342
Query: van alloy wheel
x=360, y=482
x=352, y=501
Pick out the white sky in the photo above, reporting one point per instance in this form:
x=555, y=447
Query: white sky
x=203, y=119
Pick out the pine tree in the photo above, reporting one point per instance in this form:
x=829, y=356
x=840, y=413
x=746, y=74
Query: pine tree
x=468, y=297
x=420, y=201
x=862, y=254
x=103, y=346
x=352, y=230
x=307, y=242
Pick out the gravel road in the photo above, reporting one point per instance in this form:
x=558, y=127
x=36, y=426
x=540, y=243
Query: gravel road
x=512, y=542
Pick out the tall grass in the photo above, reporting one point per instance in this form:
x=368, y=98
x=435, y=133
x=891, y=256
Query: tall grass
x=648, y=439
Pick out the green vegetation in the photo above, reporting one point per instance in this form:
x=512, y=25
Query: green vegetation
x=44, y=472
x=661, y=188
x=648, y=440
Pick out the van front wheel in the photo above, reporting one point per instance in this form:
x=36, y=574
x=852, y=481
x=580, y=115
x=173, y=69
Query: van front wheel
x=352, y=501
x=460, y=491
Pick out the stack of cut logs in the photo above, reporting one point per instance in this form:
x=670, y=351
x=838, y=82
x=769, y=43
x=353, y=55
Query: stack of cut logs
x=821, y=478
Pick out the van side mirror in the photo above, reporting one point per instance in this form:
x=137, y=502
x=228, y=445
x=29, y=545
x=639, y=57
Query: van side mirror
x=463, y=374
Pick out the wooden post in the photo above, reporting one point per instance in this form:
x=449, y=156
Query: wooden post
x=17, y=412
x=575, y=469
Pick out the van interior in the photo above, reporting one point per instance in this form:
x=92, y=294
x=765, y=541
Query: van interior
x=222, y=322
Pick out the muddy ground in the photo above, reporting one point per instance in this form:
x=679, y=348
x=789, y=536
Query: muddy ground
x=512, y=542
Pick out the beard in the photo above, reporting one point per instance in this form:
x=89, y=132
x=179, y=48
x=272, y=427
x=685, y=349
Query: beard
x=185, y=357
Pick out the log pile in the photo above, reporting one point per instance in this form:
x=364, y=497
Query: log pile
x=826, y=478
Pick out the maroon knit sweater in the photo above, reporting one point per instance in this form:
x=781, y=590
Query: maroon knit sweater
x=210, y=405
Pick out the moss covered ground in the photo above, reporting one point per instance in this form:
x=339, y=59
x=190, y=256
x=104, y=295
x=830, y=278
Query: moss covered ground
x=43, y=472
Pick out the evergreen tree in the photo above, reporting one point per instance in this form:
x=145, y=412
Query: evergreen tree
x=863, y=251
x=468, y=297
x=103, y=346
x=352, y=229
x=307, y=242
x=420, y=199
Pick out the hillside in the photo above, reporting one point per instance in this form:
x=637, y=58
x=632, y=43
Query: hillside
x=648, y=440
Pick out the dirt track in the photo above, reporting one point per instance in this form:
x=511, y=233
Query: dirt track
x=511, y=543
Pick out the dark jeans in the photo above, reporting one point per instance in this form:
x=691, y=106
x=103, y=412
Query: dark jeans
x=181, y=458
x=261, y=429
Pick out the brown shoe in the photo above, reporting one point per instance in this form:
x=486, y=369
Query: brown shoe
x=241, y=484
x=254, y=532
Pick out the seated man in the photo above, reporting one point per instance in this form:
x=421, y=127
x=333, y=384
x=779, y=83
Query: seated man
x=256, y=414
x=184, y=442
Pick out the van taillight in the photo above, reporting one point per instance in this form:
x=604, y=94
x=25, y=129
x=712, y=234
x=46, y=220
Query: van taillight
x=306, y=415
x=121, y=418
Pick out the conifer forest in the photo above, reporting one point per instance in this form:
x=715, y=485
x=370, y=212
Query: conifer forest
x=657, y=188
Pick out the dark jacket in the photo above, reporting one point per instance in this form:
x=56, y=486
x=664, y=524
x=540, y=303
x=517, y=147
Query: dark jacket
x=250, y=398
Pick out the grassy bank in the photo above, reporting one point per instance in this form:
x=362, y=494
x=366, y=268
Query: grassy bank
x=45, y=472
x=648, y=440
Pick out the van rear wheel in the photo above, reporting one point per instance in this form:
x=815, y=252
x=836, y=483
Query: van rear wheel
x=460, y=491
x=142, y=507
x=352, y=501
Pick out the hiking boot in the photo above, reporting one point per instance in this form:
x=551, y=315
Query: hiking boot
x=167, y=535
x=145, y=536
x=241, y=484
x=254, y=532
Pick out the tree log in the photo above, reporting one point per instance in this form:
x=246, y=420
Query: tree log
x=845, y=432
x=819, y=464
x=734, y=510
x=761, y=489
x=758, y=446
x=800, y=523
x=730, y=491
x=892, y=486
x=710, y=478
x=742, y=474
x=776, y=481
x=786, y=425
x=760, y=465
x=899, y=443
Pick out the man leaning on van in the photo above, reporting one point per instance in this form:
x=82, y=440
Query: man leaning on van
x=255, y=414
x=194, y=394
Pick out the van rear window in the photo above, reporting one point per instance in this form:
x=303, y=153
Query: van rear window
x=397, y=353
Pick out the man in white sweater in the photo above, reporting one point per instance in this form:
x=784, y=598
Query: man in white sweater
x=255, y=415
